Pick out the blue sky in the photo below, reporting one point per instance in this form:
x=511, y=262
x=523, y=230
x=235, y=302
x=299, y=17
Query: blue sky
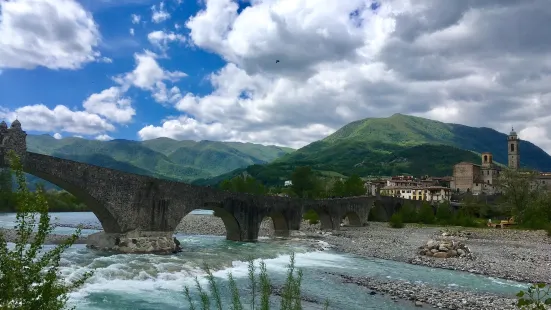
x=207, y=69
x=72, y=87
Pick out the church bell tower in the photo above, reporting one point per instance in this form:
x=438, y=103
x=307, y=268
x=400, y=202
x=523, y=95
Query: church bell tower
x=512, y=150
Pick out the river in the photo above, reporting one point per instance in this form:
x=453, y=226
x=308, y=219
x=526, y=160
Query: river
x=143, y=282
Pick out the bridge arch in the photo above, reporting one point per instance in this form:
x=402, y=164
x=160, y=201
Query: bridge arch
x=326, y=222
x=233, y=229
x=353, y=218
x=280, y=224
x=107, y=220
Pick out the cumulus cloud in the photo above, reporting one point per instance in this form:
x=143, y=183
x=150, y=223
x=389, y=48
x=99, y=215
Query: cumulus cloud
x=41, y=118
x=104, y=137
x=161, y=39
x=481, y=63
x=159, y=13
x=56, y=34
x=57, y=135
x=149, y=75
x=111, y=104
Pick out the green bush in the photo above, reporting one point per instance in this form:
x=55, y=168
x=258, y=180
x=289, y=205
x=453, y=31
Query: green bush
x=29, y=275
x=535, y=298
x=426, y=214
x=311, y=216
x=290, y=293
x=409, y=213
x=548, y=230
x=396, y=220
x=444, y=214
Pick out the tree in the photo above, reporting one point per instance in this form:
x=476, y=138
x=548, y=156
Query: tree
x=29, y=274
x=244, y=184
x=338, y=189
x=304, y=181
x=6, y=190
x=525, y=198
x=354, y=186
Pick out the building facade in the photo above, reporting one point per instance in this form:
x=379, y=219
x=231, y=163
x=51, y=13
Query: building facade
x=469, y=177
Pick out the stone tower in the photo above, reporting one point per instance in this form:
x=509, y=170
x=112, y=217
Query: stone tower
x=512, y=150
x=13, y=138
x=487, y=160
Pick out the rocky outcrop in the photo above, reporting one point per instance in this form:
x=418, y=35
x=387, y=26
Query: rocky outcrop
x=135, y=242
x=445, y=249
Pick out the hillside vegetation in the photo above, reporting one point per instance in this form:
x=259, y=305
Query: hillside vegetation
x=394, y=145
x=162, y=157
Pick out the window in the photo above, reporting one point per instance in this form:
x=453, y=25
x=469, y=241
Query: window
x=485, y=158
x=512, y=147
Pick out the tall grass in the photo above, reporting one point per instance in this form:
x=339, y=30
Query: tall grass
x=259, y=284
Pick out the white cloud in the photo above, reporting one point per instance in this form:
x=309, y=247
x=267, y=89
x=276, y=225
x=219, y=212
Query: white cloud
x=56, y=34
x=103, y=137
x=41, y=118
x=161, y=39
x=111, y=104
x=131, y=31
x=340, y=61
x=135, y=18
x=149, y=75
x=159, y=14
x=57, y=135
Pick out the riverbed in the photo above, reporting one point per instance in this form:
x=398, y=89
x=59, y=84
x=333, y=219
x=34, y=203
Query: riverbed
x=157, y=282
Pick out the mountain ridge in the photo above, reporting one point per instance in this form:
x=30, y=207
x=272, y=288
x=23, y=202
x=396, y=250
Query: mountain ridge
x=393, y=145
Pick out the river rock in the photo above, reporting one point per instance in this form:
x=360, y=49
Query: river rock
x=445, y=249
x=134, y=242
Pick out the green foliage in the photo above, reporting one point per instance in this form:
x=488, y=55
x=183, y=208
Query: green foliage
x=290, y=293
x=304, y=182
x=28, y=274
x=444, y=214
x=58, y=201
x=396, y=220
x=311, y=216
x=163, y=157
x=526, y=198
x=409, y=213
x=537, y=297
x=426, y=214
x=354, y=186
x=244, y=184
x=338, y=188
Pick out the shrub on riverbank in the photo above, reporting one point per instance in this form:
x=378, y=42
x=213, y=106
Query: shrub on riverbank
x=396, y=220
x=426, y=214
x=290, y=292
x=28, y=274
x=311, y=216
x=536, y=297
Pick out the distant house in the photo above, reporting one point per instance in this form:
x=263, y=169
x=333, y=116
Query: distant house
x=288, y=183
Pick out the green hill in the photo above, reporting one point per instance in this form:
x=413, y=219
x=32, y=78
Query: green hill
x=162, y=157
x=394, y=145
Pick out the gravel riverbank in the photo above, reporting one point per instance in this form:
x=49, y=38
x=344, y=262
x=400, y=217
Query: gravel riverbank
x=523, y=256
x=422, y=294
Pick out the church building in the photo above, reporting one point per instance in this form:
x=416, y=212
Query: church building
x=470, y=177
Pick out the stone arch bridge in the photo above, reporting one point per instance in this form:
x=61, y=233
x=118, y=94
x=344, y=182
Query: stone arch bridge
x=140, y=213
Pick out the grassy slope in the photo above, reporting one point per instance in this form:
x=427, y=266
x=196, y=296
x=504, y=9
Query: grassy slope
x=393, y=145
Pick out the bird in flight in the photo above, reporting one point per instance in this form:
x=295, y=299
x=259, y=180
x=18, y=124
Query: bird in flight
x=277, y=61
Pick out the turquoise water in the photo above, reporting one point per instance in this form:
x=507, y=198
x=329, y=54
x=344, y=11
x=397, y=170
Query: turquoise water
x=157, y=282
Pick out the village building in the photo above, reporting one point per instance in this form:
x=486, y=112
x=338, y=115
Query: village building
x=477, y=179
